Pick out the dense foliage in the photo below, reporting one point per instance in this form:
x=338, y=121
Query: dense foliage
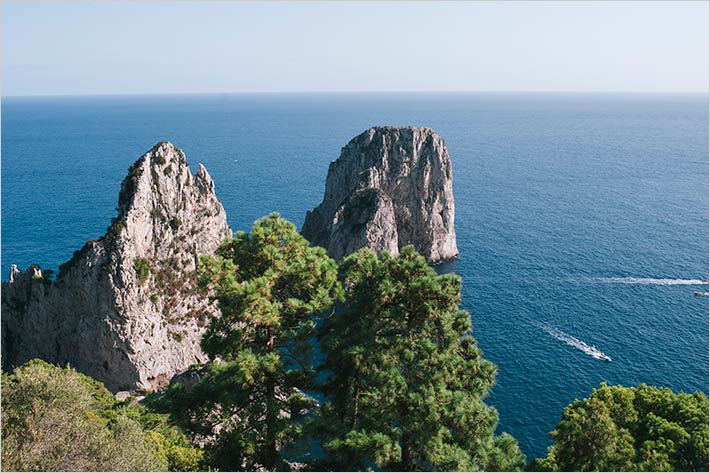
x=55, y=419
x=395, y=382
x=269, y=284
x=631, y=429
x=405, y=379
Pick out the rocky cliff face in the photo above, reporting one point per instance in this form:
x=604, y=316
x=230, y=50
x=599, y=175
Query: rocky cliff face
x=391, y=187
x=125, y=309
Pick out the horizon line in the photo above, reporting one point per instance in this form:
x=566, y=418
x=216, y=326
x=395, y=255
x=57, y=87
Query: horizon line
x=305, y=92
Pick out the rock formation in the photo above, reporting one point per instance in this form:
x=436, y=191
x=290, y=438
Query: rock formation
x=391, y=187
x=126, y=308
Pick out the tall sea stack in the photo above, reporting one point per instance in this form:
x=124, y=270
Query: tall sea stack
x=126, y=308
x=391, y=187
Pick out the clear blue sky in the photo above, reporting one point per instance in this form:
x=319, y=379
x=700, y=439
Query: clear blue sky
x=182, y=47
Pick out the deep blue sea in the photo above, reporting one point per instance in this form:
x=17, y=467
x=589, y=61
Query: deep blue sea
x=582, y=219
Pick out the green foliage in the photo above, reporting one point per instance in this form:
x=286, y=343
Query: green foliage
x=142, y=268
x=135, y=170
x=270, y=285
x=641, y=428
x=55, y=419
x=405, y=377
x=115, y=230
x=403, y=382
x=178, y=336
x=51, y=421
x=177, y=453
x=156, y=213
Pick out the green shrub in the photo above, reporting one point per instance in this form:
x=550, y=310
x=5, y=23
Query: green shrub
x=135, y=170
x=142, y=268
x=56, y=419
x=53, y=419
x=157, y=214
x=178, y=336
x=115, y=230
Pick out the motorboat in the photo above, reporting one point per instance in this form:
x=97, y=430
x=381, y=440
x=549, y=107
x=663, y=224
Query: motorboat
x=598, y=354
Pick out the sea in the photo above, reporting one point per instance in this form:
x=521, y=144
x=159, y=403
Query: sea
x=581, y=219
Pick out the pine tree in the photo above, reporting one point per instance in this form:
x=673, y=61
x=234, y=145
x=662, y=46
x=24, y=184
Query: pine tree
x=405, y=380
x=268, y=284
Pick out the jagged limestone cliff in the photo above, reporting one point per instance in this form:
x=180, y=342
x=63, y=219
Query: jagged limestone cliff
x=391, y=187
x=125, y=309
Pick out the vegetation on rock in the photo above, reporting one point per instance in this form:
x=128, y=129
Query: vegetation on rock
x=142, y=268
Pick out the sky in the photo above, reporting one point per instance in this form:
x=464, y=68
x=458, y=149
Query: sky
x=89, y=48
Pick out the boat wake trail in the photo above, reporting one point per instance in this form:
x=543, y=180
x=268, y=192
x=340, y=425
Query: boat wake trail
x=658, y=282
x=590, y=350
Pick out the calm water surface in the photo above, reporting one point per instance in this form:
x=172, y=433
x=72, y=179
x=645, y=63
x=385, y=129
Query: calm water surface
x=585, y=214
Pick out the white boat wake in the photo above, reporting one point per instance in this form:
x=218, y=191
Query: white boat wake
x=658, y=282
x=590, y=350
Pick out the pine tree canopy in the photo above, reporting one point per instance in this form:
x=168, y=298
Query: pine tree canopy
x=405, y=380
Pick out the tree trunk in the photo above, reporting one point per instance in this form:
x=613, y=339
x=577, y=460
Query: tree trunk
x=406, y=454
x=271, y=412
x=356, y=400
